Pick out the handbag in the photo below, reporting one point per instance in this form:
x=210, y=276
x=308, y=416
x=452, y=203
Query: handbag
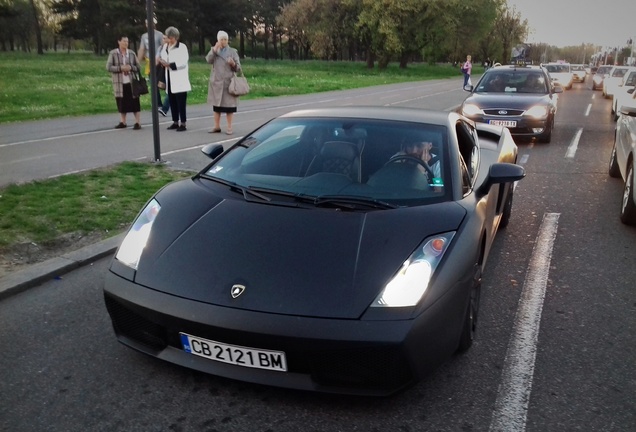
x=238, y=85
x=139, y=85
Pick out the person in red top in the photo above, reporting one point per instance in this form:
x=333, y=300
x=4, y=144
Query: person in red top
x=467, y=68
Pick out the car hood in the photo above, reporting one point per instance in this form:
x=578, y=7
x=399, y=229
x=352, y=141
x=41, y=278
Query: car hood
x=518, y=101
x=308, y=262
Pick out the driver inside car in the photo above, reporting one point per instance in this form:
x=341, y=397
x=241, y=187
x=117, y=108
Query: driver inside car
x=422, y=150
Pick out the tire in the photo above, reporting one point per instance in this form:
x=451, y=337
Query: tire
x=469, y=326
x=507, y=210
x=614, y=170
x=628, y=208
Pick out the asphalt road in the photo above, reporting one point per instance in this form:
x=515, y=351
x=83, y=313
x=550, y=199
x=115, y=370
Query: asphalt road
x=62, y=368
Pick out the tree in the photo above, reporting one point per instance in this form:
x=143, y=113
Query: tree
x=510, y=28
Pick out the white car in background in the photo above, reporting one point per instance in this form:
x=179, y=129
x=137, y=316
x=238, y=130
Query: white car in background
x=560, y=73
x=624, y=91
x=578, y=73
x=613, y=79
x=621, y=164
x=600, y=75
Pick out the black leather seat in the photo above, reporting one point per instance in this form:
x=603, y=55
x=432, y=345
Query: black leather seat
x=339, y=157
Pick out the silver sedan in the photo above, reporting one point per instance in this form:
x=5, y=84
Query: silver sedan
x=621, y=163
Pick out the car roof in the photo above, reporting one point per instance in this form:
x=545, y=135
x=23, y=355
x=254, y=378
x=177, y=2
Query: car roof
x=378, y=113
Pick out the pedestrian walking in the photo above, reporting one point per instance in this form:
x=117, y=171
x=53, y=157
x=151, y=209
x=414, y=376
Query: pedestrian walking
x=225, y=63
x=467, y=68
x=144, y=45
x=122, y=63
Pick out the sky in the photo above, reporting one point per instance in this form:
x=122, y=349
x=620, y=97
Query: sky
x=608, y=23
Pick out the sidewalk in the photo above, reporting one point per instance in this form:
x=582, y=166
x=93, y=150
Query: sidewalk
x=16, y=282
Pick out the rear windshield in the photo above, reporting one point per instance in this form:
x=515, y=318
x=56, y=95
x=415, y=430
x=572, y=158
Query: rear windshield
x=564, y=68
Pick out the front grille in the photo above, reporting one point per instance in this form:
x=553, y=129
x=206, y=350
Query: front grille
x=129, y=324
x=500, y=112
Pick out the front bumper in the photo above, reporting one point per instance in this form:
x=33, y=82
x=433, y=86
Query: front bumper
x=363, y=357
x=525, y=127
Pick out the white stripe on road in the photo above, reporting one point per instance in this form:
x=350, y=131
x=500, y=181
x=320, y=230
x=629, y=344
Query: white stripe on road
x=587, y=111
x=513, y=396
x=574, y=144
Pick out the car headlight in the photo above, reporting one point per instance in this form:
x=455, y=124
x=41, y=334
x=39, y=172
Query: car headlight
x=471, y=110
x=412, y=280
x=133, y=245
x=537, y=111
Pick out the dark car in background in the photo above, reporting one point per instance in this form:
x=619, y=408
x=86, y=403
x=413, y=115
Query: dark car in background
x=317, y=253
x=521, y=98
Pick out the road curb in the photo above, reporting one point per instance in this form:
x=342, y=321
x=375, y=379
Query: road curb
x=32, y=276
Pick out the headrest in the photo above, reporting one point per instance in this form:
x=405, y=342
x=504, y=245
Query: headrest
x=339, y=149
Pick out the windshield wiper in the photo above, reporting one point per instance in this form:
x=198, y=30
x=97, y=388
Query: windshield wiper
x=244, y=190
x=352, y=202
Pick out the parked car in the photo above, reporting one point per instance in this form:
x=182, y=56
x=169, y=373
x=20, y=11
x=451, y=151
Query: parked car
x=613, y=79
x=599, y=76
x=623, y=91
x=578, y=73
x=318, y=253
x=621, y=164
x=521, y=98
x=561, y=74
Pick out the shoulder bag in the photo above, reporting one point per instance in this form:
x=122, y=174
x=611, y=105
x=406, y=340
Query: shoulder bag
x=139, y=84
x=238, y=85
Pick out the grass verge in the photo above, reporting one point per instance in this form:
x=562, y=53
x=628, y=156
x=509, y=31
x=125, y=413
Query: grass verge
x=103, y=200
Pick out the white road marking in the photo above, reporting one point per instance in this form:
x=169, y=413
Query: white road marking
x=574, y=144
x=587, y=111
x=513, y=396
x=524, y=159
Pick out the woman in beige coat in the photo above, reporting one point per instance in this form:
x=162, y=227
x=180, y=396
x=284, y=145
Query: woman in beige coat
x=225, y=63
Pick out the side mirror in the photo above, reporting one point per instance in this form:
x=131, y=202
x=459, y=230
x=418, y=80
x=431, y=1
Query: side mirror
x=212, y=150
x=631, y=90
x=469, y=88
x=501, y=173
x=557, y=89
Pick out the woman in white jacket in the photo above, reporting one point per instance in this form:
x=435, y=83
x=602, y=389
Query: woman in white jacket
x=175, y=59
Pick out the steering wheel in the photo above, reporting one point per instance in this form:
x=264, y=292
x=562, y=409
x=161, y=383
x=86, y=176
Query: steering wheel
x=412, y=159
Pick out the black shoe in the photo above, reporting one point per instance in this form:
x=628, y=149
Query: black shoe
x=162, y=112
x=137, y=126
x=181, y=128
x=121, y=126
x=173, y=126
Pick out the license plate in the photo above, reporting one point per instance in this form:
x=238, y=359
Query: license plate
x=234, y=354
x=507, y=123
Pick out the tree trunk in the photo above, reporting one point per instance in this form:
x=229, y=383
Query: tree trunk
x=38, y=30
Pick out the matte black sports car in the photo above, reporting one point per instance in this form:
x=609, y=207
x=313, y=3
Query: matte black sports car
x=336, y=250
x=521, y=98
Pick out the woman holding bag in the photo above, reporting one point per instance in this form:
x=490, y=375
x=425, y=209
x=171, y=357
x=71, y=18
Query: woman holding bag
x=225, y=63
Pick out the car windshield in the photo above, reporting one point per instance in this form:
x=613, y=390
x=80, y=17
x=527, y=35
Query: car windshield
x=578, y=68
x=631, y=79
x=359, y=161
x=603, y=70
x=558, y=68
x=513, y=81
x=619, y=72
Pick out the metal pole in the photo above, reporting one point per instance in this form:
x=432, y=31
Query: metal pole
x=152, y=53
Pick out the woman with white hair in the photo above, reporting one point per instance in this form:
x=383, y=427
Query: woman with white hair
x=225, y=63
x=175, y=60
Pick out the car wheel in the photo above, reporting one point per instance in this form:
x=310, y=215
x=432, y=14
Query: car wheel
x=472, y=311
x=507, y=211
x=614, y=170
x=628, y=209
